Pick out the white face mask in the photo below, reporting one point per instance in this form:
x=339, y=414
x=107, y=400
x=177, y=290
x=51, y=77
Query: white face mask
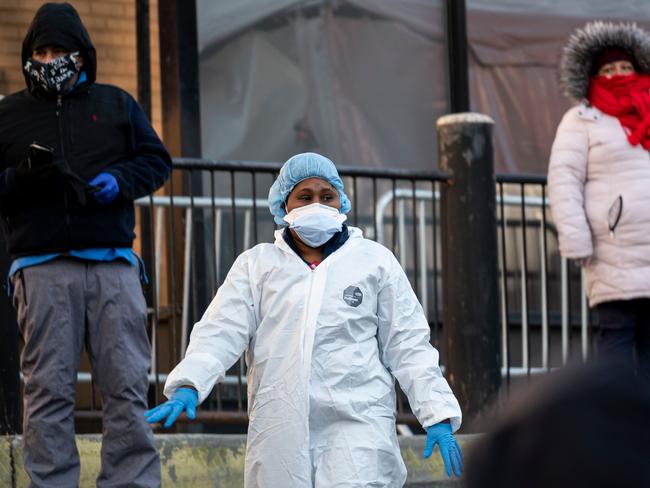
x=315, y=224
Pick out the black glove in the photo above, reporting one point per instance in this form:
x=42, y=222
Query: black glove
x=38, y=171
x=37, y=177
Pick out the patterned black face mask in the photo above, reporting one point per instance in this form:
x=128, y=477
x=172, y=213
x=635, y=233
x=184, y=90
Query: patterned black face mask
x=53, y=77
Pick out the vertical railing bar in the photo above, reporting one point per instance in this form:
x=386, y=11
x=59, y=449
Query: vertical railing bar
x=394, y=210
x=544, y=321
x=402, y=235
x=504, y=278
x=525, y=317
x=564, y=277
x=218, y=224
x=584, y=316
x=218, y=395
x=160, y=219
x=213, y=268
x=415, y=238
x=400, y=402
x=93, y=400
x=434, y=231
x=569, y=311
x=154, y=322
x=502, y=297
x=355, y=206
x=213, y=211
x=254, y=188
x=374, y=208
x=186, y=279
x=172, y=273
x=247, y=230
x=193, y=262
x=240, y=379
x=233, y=211
x=424, y=290
x=546, y=338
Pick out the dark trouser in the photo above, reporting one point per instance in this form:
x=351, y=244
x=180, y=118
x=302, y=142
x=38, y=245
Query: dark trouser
x=625, y=331
x=63, y=305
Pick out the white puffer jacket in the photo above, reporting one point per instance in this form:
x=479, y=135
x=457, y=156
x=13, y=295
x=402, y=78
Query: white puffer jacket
x=592, y=165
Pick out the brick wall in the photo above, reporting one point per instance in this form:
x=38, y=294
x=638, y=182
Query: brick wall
x=111, y=24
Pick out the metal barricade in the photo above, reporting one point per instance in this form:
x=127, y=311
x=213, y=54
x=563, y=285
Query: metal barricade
x=191, y=240
x=228, y=211
x=513, y=231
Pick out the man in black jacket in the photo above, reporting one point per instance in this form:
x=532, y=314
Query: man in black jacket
x=67, y=207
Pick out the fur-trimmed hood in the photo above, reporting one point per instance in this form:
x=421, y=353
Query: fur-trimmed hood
x=589, y=41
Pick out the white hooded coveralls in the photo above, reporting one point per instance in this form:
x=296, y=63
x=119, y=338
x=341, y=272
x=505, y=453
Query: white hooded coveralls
x=322, y=348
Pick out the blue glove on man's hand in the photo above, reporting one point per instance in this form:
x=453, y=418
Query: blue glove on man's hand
x=183, y=399
x=450, y=451
x=108, y=188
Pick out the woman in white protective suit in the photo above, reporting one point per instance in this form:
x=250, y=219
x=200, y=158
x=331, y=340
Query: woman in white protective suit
x=328, y=319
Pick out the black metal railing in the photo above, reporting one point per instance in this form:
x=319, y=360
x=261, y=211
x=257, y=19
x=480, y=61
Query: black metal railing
x=214, y=210
x=544, y=313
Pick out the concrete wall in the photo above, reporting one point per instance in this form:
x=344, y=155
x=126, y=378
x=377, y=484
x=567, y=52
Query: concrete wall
x=211, y=460
x=6, y=463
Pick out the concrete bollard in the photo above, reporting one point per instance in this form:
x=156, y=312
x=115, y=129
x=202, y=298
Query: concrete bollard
x=470, y=272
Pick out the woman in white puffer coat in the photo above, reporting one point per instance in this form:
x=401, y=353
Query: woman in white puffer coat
x=599, y=180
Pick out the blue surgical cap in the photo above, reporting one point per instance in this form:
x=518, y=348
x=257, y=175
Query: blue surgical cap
x=298, y=168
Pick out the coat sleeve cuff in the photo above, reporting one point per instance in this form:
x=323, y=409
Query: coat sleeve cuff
x=455, y=422
x=200, y=370
x=438, y=412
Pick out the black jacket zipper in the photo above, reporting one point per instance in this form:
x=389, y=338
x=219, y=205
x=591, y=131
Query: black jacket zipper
x=59, y=115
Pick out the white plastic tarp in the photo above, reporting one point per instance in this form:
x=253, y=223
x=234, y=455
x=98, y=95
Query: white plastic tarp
x=367, y=89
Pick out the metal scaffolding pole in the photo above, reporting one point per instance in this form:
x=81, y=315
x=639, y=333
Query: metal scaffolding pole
x=179, y=73
x=9, y=363
x=457, y=56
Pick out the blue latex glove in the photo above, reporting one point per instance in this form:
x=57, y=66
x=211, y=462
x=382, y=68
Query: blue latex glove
x=183, y=399
x=108, y=188
x=450, y=451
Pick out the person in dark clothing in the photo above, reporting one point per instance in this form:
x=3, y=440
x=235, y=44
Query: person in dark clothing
x=584, y=426
x=74, y=154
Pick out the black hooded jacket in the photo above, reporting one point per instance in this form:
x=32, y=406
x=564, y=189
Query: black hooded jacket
x=94, y=128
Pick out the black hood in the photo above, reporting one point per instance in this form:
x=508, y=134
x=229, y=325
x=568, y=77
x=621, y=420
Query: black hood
x=60, y=24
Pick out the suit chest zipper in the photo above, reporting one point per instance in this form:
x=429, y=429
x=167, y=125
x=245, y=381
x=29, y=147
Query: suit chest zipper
x=305, y=315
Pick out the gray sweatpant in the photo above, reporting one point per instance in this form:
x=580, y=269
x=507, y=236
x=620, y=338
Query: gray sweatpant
x=63, y=305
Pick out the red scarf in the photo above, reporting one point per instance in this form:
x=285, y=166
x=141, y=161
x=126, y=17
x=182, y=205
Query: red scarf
x=626, y=97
